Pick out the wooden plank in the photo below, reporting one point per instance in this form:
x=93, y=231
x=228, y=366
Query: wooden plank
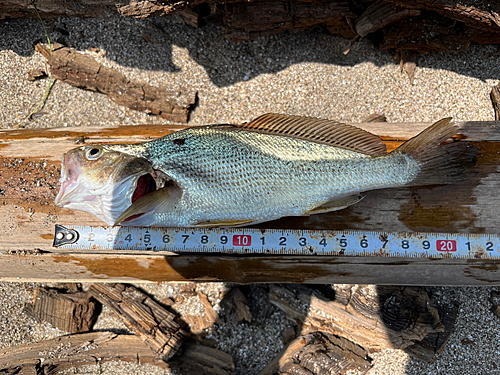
x=29, y=173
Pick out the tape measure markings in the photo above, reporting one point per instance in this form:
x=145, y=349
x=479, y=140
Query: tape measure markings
x=279, y=241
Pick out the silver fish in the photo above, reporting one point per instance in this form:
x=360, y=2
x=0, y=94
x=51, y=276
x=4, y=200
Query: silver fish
x=274, y=166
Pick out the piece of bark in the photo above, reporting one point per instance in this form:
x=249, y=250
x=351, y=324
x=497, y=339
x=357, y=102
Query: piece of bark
x=380, y=14
x=79, y=70
x=62, y=353
x=480, y=14
x=408, y=62
x=495, y=100
x=235, y=306
x=319, y=353
x=90, y=8
x=35, y=74
x=70, y=312
x=375, y=318
x=156, y=326
x=495, y=303
x=251, y=20
x=435, y=343
x=427, y=33
x=202, y=360
x=375, y=117
x=199, y=322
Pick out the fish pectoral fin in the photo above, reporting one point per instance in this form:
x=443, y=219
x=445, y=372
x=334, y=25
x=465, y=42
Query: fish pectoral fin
x=160, y=200
x=234, y=223
x=336, y=204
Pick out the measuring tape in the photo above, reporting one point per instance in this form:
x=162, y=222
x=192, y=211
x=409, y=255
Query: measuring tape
x=253, y=241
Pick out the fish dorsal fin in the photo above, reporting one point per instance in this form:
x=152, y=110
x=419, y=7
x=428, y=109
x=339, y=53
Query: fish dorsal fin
x=321, y=131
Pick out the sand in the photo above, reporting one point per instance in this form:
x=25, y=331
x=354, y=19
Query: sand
x=301, y=73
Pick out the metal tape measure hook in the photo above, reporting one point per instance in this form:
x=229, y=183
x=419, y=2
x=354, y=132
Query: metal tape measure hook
x=65, y=236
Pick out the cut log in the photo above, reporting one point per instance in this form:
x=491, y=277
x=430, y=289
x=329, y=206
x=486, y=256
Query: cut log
x=70, y=312
x=80, y=70
x=156, y=326
x=372, y=317
x=30, y=170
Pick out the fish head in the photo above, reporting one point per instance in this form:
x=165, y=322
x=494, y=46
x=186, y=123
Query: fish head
x=104, y=182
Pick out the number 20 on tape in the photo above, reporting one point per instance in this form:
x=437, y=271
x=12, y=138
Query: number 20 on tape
x=446, y=245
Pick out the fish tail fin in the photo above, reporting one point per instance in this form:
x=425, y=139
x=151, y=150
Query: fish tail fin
x=442, y=163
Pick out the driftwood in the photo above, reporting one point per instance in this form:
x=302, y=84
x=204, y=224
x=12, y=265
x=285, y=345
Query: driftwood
x=30, y=162
x=80, y=70
x=375, y=318
x=70, y=312
x=73, y=351
x=62, y=353
x=147, y=319
x=417, y=25
x=319, y=353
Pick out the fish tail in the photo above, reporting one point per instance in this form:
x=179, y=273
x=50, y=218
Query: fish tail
x=440, y=163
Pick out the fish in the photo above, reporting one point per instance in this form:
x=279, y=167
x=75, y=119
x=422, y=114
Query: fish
x=235, y=175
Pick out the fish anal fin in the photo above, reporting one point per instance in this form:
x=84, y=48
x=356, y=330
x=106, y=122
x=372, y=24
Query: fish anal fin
x=321, y=131
x=336, y=204
x=229, y=223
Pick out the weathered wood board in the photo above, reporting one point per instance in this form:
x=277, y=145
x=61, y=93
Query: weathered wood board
x=29, y=173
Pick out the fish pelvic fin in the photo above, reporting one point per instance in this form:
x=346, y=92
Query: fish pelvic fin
x=442, y=163
x=229, y=223
x=335, y=204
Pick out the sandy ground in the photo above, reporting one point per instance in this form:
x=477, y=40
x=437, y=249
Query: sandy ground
x=302, y=73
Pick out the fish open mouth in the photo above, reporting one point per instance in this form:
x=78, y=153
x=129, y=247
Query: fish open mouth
x=145, y=184
x=153, y=193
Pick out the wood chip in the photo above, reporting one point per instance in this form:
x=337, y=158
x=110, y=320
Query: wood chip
x=156, y=326
x=235, y=306
x=72, y=312
x=495, y=100
x=408, y=62
x=199, y=322
x=201, y=359
x=35, y=74
x=80, y=70
x=375, y=117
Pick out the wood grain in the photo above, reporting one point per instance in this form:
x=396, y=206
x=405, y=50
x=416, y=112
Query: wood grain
x=29, y=173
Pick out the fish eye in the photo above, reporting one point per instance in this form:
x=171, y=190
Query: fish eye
x=93, y=153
